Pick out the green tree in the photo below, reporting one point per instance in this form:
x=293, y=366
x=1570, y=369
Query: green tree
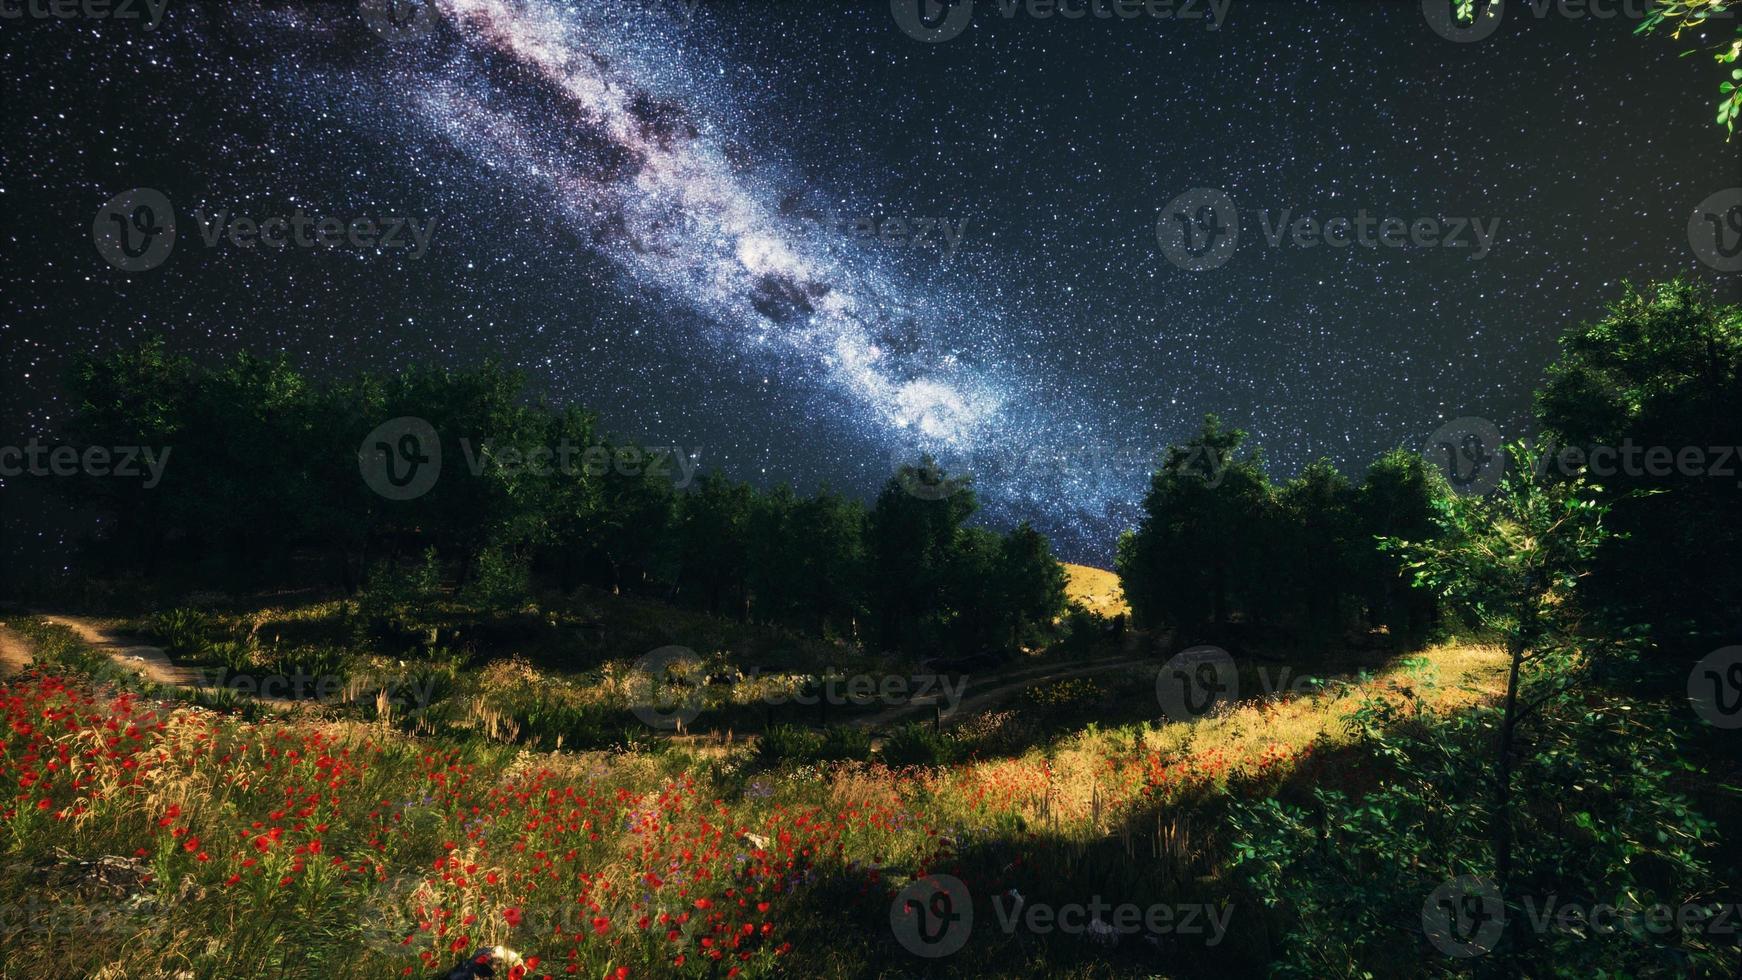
x=713, y=541
x=1398, y=498
x=1658, y=376
x=1315, y=511
x=1513, y=561
x=1198, y=552
x=911, y=538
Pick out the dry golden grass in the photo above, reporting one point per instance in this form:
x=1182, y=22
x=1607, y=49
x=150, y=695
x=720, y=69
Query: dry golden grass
x=1096, y=589
x=1077, y=788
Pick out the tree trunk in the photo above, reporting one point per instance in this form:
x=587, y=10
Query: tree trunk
x=1502, y=820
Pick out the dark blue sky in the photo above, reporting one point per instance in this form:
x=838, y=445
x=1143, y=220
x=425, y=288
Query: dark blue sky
x=1041, y=339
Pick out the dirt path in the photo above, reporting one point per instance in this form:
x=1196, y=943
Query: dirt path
x=996, y=689
x=14, y=653
x=142, y=659
x=146, y=661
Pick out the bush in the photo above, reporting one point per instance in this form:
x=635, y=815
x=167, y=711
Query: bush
x=322, y=665
x=1342, y=871
x=399, y=601
x=790, y=743
x=842, y=744
x=501, y=581
x=234, y=656
x=914, y=744
x=182, y=632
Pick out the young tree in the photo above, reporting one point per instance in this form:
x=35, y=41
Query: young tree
x=1513, y=562
x=1031, y=586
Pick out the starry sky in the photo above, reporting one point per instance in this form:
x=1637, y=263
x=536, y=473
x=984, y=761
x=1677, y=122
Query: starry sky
x=806, y=245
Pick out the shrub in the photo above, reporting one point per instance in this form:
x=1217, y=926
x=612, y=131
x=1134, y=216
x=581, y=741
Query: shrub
x=323, y=665
x=501, y=581
x=399, y=601
x=914, y=744
x=841, y=743
x=183, y=632
x=1343, y=870
x=234, y=656
x=790, y=743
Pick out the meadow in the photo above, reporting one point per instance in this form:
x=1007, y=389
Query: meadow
x=175, y=832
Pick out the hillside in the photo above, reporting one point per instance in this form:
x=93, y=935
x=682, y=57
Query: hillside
x=1096, y=589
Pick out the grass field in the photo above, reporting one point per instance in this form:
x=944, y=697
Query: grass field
x=161, y=838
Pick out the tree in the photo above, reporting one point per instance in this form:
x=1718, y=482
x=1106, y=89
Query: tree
x=1680, y=16
x=713, y=527
x=1198, y=551
x=911, y=535
x=1659, y=376
x=1030, y=585
x=1398, y=498
x=1317, y=511
x=133, y=398
x=1513, y=562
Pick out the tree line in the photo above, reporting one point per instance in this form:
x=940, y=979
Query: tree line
x=1644, y=403
x=267, y=486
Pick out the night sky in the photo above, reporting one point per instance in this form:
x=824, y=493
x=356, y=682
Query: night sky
x=686, y=218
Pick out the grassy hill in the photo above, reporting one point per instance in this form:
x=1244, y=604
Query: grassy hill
x=1096, y=589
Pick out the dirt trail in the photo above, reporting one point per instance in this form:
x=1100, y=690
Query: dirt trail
x=14, y=653
x=994, y=690
x=146, y=661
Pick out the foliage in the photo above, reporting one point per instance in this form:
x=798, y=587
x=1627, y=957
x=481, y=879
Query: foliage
x=1658, y=376
x=529, y=496
x=1219, y=542
x=1347, y=874
x=1680, y=16
x=790, y=743
x=184, y=632
x=915, y=744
